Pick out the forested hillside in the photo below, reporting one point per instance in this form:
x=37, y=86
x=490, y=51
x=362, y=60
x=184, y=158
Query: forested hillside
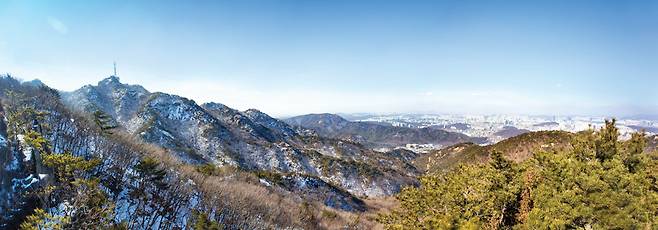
x=598, y=182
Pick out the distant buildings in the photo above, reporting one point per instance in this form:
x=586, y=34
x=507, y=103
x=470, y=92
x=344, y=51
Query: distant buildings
x=488, y=125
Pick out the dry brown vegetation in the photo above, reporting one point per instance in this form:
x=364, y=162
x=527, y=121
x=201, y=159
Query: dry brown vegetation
x=233, y=193
x=241, y=193
x=517, y=149
x=365, y=220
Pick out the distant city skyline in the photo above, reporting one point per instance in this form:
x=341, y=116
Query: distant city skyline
x=295, y=57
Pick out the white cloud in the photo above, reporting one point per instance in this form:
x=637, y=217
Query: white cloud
x=58, y=25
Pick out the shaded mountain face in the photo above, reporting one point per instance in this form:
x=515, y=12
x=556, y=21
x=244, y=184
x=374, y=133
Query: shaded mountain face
x=251, y=140
x=375, y=135
x=518, y=149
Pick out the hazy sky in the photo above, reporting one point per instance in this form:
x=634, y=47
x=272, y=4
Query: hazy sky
x=294, y=57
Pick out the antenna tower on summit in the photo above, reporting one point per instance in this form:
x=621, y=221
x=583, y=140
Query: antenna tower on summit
x=115, y=69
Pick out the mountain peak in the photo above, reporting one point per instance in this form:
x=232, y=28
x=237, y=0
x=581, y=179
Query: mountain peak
x=35, y=83
x=279, y=127
x=330, y=116
x=318, y=120
x=258, y=116
x=114, y=83
x=254, y=111
x=215, y=105
x=112, y=80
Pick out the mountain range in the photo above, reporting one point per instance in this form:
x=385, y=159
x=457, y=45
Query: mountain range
x=251, y=140
x=237, y=165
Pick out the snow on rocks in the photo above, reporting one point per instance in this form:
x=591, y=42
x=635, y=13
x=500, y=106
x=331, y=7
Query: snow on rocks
x=3, y=142
x=27, y=150
x=24, y=183
x=264, y=182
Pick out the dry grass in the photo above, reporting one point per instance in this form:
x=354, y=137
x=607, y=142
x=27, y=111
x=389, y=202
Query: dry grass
x=244, y=201
x=233, y=193
x=365, y=220
x=249, y=201
x=239, y=193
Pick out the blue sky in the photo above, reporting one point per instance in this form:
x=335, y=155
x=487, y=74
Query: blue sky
x=294, y=57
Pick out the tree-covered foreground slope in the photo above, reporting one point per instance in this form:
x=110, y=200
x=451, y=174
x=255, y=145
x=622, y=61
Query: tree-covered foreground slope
x=70, y=169
x=597, y=183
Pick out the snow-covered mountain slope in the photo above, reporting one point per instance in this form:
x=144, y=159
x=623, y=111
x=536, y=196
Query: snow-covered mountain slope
x=241, y=124
x=279, y=127
x=236, y=199
x=110, y=96
x=251, y=140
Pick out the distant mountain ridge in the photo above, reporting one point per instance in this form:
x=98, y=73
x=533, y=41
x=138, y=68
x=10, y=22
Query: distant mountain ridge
x=510, y=131
x=375, y=135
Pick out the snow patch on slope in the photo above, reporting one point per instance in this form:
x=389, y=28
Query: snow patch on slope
x=27, y=150
x=24, y=183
